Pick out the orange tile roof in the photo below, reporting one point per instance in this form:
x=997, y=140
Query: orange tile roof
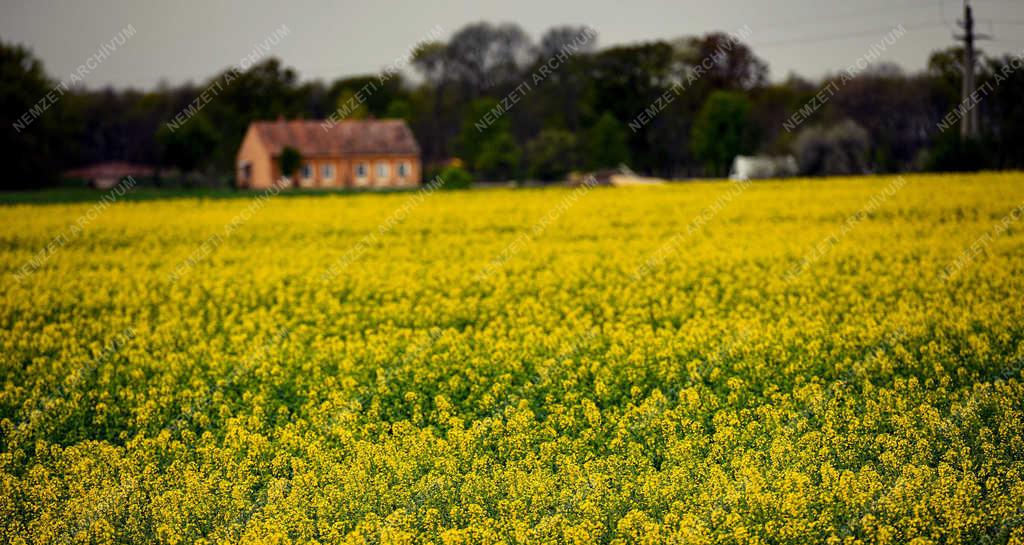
x=319, y=138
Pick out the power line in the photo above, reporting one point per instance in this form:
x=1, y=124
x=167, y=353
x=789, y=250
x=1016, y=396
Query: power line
x=942, y=11
x=817, y=20
x=856, y=34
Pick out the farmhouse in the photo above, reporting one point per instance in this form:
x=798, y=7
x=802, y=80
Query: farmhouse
x=352, y=153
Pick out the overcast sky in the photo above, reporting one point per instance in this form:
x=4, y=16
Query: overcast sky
x=181, y=40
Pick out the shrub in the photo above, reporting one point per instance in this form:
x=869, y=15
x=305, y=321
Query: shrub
x=456, y=178
x=552, y=154
x=289, y=161
x=499, y=157
x=951, y=153
x=840, y=150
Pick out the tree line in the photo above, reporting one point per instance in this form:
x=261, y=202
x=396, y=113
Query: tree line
x=509, y=107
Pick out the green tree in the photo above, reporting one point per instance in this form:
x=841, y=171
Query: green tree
x=375, y=95
x=31, y=137
x=267, y=90
x=951, y=153
x=480, y=124
x=190, y=147
x=499, y=157
x=606, y=143
x=1002, y=120
x=552, y=154
x=289, y=161
x=399, y=109
x=351, y=105
x=723, y=129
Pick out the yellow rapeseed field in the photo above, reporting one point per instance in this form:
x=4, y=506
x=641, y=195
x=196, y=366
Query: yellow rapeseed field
x=831, y=361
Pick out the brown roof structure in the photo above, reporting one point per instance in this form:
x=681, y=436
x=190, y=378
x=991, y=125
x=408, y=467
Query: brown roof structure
x=110, y=169
x=318, y=138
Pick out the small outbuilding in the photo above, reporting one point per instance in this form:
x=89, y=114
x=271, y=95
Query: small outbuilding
x=107, y=174
x=759, y=167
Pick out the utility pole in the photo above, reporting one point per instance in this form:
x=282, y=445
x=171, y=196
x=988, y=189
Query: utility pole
x=969, y=124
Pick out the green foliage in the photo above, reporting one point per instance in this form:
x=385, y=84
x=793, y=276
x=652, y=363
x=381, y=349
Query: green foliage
x=376, y=94
x=628, y=76
x=399, y=109
x=479, y=125
x=351, y=105
x=32, y=137
x=634, y=84
x=552, y=154
x=839, y=150
x=723, y=130
x=944, y=69
x=499, y=157
x=607, y=143
x=267, y=90
x=951, y=153
x=289, y=161
x=1002, y=114
x=456, y=178
x=190, y=146
x=485, y=141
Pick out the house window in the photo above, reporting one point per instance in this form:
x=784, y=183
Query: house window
x=383, y=171
x=404, y=170
x=245, y=171
x=361, y=170
x=327, y=171
x=307, y=171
